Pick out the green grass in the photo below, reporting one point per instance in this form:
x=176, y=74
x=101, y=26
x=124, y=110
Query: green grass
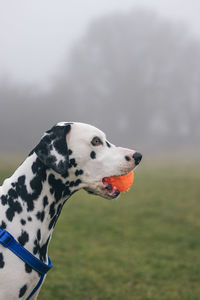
x=143, y=246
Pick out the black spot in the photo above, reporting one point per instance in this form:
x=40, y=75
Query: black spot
x=14, y=207
x=52, y=209
x=108, y=144
x=41, y=250
x=77, y=182
x=40, y=215
x=4, y=199
x=72, y=163
x=23, y=238
x=36, y=247
x=45, y=201
x=52, y=222
x=39, y=235
x=127, y=158
x=54, y=214
x=65, y=175
x=22, y=291
x=28, y=269
x=67, y=192
x=29, y=219
x=2, y=263
x=79, y=172
x=60, y=142
x=39, y=169
x=58, y=188
x=23, y=222
x=71, y=184
x=70, y=152
x=12, y=193
x=55, y=217
x=61, y=146
x=3, y=225
x=93, y=155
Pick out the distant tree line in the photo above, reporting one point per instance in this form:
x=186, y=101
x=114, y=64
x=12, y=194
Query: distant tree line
x=136, y=76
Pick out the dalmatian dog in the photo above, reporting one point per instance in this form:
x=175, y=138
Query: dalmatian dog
x=69, y=157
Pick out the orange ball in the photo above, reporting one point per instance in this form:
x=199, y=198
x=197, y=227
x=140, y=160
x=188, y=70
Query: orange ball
x=122, y=183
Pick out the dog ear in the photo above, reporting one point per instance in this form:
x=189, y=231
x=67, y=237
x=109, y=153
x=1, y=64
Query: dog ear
x=52, y=150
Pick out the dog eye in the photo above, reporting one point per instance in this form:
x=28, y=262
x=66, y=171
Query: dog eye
x=96, y=141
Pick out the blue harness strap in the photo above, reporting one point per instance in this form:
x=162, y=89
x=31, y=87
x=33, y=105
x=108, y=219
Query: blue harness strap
x=8, y=241
x=36, y=287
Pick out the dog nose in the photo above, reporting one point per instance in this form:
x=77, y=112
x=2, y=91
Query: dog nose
x=137, y=157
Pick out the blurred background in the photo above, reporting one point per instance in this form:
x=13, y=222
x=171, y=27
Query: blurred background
x=131, y=68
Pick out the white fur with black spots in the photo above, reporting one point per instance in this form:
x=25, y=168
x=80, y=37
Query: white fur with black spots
x=69, y=157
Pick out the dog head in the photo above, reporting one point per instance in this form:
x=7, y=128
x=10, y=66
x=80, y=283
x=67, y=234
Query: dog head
x=83, y=150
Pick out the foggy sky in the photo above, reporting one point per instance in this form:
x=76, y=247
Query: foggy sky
x=36, y=36
x=137, y=72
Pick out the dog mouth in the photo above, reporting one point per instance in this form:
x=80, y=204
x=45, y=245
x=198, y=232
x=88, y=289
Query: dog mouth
x=104, y=189
x=110, y=191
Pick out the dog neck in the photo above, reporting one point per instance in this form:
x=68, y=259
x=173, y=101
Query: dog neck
x=32, y=199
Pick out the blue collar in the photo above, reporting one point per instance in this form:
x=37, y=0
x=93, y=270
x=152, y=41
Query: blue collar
x=8, y=241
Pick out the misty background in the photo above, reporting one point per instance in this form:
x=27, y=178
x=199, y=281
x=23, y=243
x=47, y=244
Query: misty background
x=132, y=71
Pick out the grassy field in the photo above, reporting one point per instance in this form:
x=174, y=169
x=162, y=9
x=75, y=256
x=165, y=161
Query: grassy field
x=143, y=246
